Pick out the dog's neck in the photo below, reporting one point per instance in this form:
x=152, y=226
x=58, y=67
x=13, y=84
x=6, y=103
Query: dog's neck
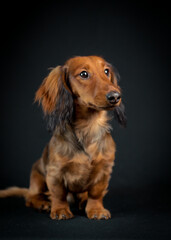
x=90, y=125
x=89, y=128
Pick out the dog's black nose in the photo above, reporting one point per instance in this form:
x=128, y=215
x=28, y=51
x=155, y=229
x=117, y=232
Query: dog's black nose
x=113, y=97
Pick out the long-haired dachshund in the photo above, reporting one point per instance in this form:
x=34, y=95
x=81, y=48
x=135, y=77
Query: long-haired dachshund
x=78, y=159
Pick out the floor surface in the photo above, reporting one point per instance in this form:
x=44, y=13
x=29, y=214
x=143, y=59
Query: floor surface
x=134, y=216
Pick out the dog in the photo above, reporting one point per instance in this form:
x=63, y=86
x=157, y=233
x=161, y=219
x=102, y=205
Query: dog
x=76, y=99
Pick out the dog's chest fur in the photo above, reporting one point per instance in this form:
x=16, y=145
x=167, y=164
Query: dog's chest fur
x=80, y=168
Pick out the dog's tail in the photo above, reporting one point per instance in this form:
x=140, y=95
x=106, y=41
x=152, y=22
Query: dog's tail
x=14, y=192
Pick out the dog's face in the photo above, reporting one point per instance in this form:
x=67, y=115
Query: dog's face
x=86, y=81
x=93, y=82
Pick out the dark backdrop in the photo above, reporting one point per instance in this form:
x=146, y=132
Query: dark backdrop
x=134, y=37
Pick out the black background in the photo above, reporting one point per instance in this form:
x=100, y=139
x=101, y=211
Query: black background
x=134, y=37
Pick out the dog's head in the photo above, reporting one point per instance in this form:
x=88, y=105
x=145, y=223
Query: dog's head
x=87, y=81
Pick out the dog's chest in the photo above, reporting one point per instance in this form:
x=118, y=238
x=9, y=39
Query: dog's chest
x=86, y=170
x=77, y=175
x=90, y=164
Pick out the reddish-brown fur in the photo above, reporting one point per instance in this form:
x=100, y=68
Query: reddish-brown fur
x=64, y=167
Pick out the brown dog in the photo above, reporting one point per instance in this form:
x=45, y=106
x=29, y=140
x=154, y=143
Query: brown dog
x=80, y=155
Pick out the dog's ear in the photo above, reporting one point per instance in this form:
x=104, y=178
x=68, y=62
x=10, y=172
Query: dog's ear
x=115, y=76
x=119, y=114
x=48, y=92
x=56, y=98
x=119, y=111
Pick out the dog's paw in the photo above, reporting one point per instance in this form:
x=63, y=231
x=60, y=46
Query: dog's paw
x=97, y=214
x=38, y=203
x=61, y=214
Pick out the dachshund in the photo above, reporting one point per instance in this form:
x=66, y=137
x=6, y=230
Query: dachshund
x=79, y=157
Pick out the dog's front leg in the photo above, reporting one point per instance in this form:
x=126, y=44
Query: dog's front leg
x=59, y=206
x=94, y=207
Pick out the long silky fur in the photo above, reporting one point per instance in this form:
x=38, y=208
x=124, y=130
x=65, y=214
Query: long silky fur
x=63, y=113
x=120, y=116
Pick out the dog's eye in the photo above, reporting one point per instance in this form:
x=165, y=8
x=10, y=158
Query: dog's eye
x=84, y=74
x=106, y=71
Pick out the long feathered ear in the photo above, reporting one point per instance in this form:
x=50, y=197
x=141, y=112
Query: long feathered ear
x=56, y=98
x=119, y=111
x=115, y=77
x=119, y=114
x=48, y=91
